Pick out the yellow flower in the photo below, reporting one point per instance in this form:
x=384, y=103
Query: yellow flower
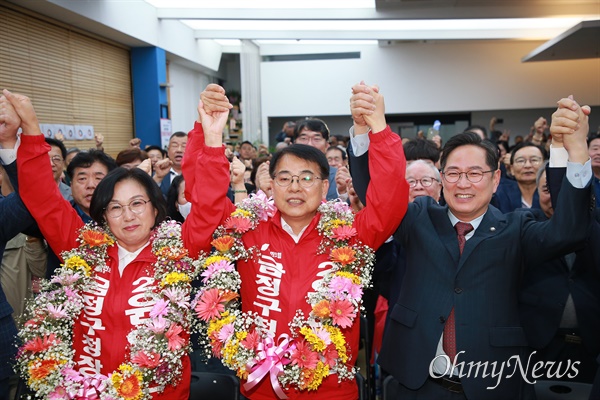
x=338, y=339
x=241, y=213
x=317, y=343
x=320, y=372
x=214, y=259
x=173, y=278
x=216, y=324
x=77, y=263
x=230, y=351
x=355, y=279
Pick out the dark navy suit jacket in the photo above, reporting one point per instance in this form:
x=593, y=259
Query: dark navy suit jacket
x=14, y=218
x=508, y=197
x=546, y=285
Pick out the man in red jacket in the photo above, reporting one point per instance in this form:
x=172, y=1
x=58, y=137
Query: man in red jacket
x=276, y=283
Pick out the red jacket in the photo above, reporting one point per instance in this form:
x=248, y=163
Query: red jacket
x=98, y=342
x=277, y=283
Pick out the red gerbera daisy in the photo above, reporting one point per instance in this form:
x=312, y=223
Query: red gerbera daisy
x=304, y=357
x=341, y=312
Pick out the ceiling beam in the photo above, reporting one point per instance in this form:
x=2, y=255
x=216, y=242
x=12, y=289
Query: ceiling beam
x=530, y=34
x=522, y=9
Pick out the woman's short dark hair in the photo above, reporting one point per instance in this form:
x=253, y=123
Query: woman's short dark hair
x=106, y=189
x=311, y=124
x=303, y=152
x=522, y=145
x=473, y=139
x=421, y=149
x=172, y=196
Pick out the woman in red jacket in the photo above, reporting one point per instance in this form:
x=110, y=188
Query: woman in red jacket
x=114, y=321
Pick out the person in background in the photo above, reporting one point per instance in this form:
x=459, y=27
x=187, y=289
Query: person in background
x=560, y=298
x=178, y=208
x=57, y=155
x=525, y=160
x=15, y=218
x=286, y=132
x=336, y=157
x=155, y=154
x=175, y=152
x=478, y=130
x=594, y=151
x=131, y=158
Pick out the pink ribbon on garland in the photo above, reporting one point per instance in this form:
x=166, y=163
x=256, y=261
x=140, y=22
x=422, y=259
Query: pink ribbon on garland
x=270, y=359
x=91, y=385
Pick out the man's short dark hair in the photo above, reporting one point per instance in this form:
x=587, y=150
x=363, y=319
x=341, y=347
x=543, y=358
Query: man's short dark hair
x=521, y=145
x=472, y=128
x=303, y=152
x=421, y=149
x=85, y=159
x=592, y=137
x=59, y=144
x=247, y=142
x=178, y=134
x=344, y=156
x=311, y=124
x=473, y=139
x=155, y=147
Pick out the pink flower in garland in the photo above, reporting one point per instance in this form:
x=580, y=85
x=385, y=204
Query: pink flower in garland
x=251, y=341
x=161, y=308
x=146, y=360
x=210, y=305
x=238, y=224
x=56, y=312
x=67, y=279
x=338, y=285
x=158, y=325
x=41, y=343
x=341, y=312
x=355, y=291
x=343, y=232
x=175, y=341
x=304, y=357
x=215, y=267
x=226, y=332
x=330, y=354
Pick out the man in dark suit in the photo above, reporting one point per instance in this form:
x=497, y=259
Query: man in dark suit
x=454, y=331
x=15, y=218
x=560, y=298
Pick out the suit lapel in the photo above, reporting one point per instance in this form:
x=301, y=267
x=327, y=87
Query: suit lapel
x=445, y=230
x=493, y=222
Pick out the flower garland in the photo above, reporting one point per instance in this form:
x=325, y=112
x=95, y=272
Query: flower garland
x=45, y=360
x=316, y=346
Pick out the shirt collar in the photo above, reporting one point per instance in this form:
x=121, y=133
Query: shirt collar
x=286, y=227
x=474, y=223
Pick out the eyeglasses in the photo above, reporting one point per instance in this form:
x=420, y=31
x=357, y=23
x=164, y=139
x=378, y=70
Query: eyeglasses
x=535, y=161
x=56, y=159
x=115, y=210
x=425, y=182
x=305, y=179
x=473, y=176
x=305, y=139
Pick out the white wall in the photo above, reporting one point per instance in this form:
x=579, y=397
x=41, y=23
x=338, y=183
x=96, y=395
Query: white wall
x=184, y=95
x=429, y=77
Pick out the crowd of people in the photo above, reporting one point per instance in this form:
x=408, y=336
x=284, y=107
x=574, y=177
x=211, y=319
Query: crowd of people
x=485, y=253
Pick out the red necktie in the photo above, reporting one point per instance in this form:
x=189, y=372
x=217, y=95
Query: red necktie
x=449, y=342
